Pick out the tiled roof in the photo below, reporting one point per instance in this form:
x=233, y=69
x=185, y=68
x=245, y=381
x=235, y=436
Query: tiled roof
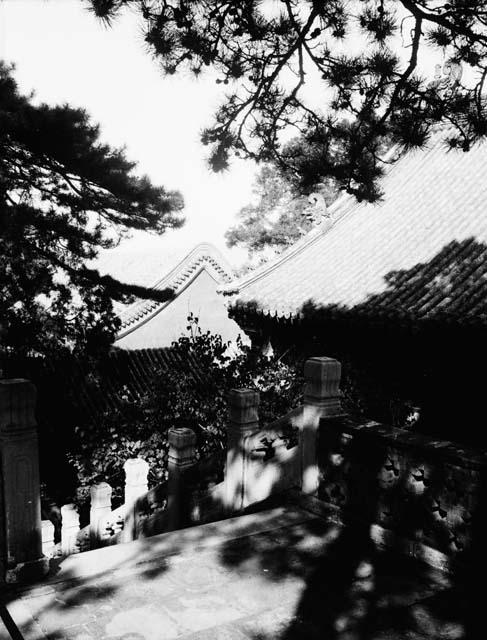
x=153, y=270
x=123, y=375
x=420, y=252
x=92, y=392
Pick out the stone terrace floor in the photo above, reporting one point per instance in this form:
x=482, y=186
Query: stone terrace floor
x=279, y=574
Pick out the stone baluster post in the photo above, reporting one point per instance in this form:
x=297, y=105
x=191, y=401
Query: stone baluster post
x=136, y=485
x=47, y=538
x=100, y=510
x=136, y=474
x=321, y=400
x=182, y=448
x=243, y=424
x=20, y=534
x=69, y=529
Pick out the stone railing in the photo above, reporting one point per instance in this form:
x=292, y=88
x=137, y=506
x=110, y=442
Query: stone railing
x=417, y=494
x=420, y=495
x=109, y=526
x=263, y=461
x=145, y=512
x=260, y=462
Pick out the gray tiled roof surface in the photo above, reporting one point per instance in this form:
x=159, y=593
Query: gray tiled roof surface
x=123, y=375
x=421, y=251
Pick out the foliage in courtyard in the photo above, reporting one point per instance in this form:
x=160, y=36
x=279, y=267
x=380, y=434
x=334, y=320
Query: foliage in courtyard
x=197, y=394
x=64, y=195
x=368, y=63
x=100, y=450
x=192, y=394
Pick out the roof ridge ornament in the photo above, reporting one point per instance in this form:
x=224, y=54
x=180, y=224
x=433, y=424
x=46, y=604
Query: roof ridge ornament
x=448, y=83
x=317, y=209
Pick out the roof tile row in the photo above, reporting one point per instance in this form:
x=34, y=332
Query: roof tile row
x=421, y=251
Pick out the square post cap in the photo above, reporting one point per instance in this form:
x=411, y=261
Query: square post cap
x=17, y=405
x=136, y=470
x=69, y=515
x=244, y=405
x=182, y=447
x=100, y=495
x=181, y=437
x=322, y=377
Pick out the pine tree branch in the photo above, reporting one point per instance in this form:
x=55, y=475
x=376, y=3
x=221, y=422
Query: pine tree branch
x=439, y=19
x=413, y=61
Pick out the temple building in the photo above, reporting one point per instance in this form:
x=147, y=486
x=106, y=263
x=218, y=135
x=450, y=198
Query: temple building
x=396, y=288
x=419, y=253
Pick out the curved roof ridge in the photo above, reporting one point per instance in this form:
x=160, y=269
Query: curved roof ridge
x=343, y=205
x=300, y=245
x=203, y=256
x=202, y=251
x=337, y=210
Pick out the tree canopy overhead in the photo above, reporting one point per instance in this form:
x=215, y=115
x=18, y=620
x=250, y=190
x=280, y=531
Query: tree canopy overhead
x=63, y=196
x=266, y=51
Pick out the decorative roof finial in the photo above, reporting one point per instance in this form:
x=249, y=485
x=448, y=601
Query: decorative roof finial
x=317, y=209
x=448, y=83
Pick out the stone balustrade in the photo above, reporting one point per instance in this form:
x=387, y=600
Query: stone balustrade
x=420, y=495
x=407, y=487
x=181, y=501
x=181, y=458
x=136, y=479
x=109, y=526
x=48, y=546
x=261, y=461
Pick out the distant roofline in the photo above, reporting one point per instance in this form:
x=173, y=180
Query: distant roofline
x=152, y=312
x=203, y=257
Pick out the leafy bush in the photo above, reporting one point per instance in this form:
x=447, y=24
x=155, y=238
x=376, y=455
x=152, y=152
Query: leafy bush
x=103, y=450
x=193, y=393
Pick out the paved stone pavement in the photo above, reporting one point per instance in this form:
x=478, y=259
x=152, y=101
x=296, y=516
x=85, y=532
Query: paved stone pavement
x=283, y=573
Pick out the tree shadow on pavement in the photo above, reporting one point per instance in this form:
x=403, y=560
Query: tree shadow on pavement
x=349, y=588
x=68, y=604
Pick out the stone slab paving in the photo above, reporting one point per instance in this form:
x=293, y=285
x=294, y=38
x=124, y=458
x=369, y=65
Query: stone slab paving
x=283, y=574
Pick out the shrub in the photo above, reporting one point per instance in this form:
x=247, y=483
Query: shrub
x=192, y=394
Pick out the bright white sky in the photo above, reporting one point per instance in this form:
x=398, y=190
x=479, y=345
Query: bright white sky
x=65, y=55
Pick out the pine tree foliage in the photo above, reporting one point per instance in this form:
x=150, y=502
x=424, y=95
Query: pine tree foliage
x=63, y=196
x=265, y=51
x=280, y=215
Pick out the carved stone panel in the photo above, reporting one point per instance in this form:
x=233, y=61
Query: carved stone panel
x=402, y=482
